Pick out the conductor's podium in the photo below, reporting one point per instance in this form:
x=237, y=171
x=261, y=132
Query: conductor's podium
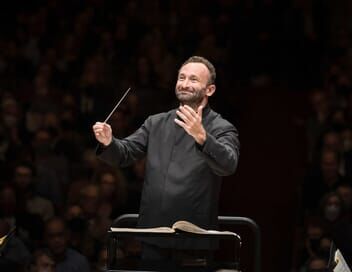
x=121, y=229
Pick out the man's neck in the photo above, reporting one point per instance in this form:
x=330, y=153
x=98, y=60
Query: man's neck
x=195, y=106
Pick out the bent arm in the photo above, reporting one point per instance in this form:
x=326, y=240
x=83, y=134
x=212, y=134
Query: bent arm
x=221, y=152
x=124, y=152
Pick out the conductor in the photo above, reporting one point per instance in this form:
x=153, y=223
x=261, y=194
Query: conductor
x=187, y=150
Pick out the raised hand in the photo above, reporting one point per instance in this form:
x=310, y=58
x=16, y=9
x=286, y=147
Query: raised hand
x=192, y=122
x=103, y=133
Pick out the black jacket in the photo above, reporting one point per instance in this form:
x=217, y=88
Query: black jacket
x=182, y=179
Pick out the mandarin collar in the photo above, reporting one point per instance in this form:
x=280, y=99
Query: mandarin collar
x=206, y=110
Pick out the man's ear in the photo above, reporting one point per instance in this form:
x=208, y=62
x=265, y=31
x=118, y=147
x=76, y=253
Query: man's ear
x=210, y=90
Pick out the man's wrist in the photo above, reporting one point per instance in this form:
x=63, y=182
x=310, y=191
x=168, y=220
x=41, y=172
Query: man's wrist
x=107, y=143
x=201, y=138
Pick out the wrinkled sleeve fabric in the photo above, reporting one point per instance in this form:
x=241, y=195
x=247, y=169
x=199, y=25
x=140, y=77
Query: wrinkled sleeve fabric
x=124, y=152
x=221, y=151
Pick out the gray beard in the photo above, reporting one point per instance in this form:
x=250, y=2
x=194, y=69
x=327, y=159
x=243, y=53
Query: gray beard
x=194, y=100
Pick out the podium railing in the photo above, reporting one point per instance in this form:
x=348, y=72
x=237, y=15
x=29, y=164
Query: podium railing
x=131, y=219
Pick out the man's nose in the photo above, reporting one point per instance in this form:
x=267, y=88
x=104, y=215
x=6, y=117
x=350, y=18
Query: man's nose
x=185, y=83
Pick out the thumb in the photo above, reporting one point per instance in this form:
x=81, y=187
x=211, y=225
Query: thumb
x=107, y=128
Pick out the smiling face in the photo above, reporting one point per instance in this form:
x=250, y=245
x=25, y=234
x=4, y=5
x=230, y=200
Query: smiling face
x=192, y=86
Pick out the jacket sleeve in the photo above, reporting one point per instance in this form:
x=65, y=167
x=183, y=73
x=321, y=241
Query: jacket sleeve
x=124, y=152
x=221, y=151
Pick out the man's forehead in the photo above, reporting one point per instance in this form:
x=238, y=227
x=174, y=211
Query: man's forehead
x=195, y=68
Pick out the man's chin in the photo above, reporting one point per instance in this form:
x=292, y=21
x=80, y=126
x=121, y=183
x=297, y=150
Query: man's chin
x=193, y=105
x=185, y=98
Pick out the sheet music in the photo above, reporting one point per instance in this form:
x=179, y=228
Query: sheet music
x=341, y=265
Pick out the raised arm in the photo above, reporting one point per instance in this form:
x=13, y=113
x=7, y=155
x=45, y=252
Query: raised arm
x=121, y=152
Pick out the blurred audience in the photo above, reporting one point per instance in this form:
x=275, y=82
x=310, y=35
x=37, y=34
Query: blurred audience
x=63, y=65
x=42, y=261
x=326, y=191
x=57, y=239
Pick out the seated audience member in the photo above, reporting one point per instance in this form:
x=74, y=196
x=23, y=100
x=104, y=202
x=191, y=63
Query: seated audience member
x=42, y=261
x=23, y=179
x=66, y=259
x=332, y=141
x=314, y=231
x=316, y=264
x=29, y=227
x=317, y=122
x=51, y=169
x=324, y=247
x=77, y=226
x=338, y=223
x=97, y=222
x=326, y=179
x=113, y=193
x=308, y=242
x=89, y=200
x=14, y=255
x=332, y=210
x=346, y=137
x=344, y=190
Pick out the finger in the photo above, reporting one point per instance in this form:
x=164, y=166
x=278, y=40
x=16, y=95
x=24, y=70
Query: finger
x=99, y=130
x=186, y=116
x=183, y=116
x=97, y=134
x=106, y=127
x=200, y=111
x=181, y=124
x=97, y=125
x=190, y=110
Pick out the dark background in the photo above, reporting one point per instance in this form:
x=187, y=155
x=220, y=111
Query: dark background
x=63, y=65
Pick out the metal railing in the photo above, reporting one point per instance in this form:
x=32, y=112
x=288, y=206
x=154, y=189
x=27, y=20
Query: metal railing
x=131, y=219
